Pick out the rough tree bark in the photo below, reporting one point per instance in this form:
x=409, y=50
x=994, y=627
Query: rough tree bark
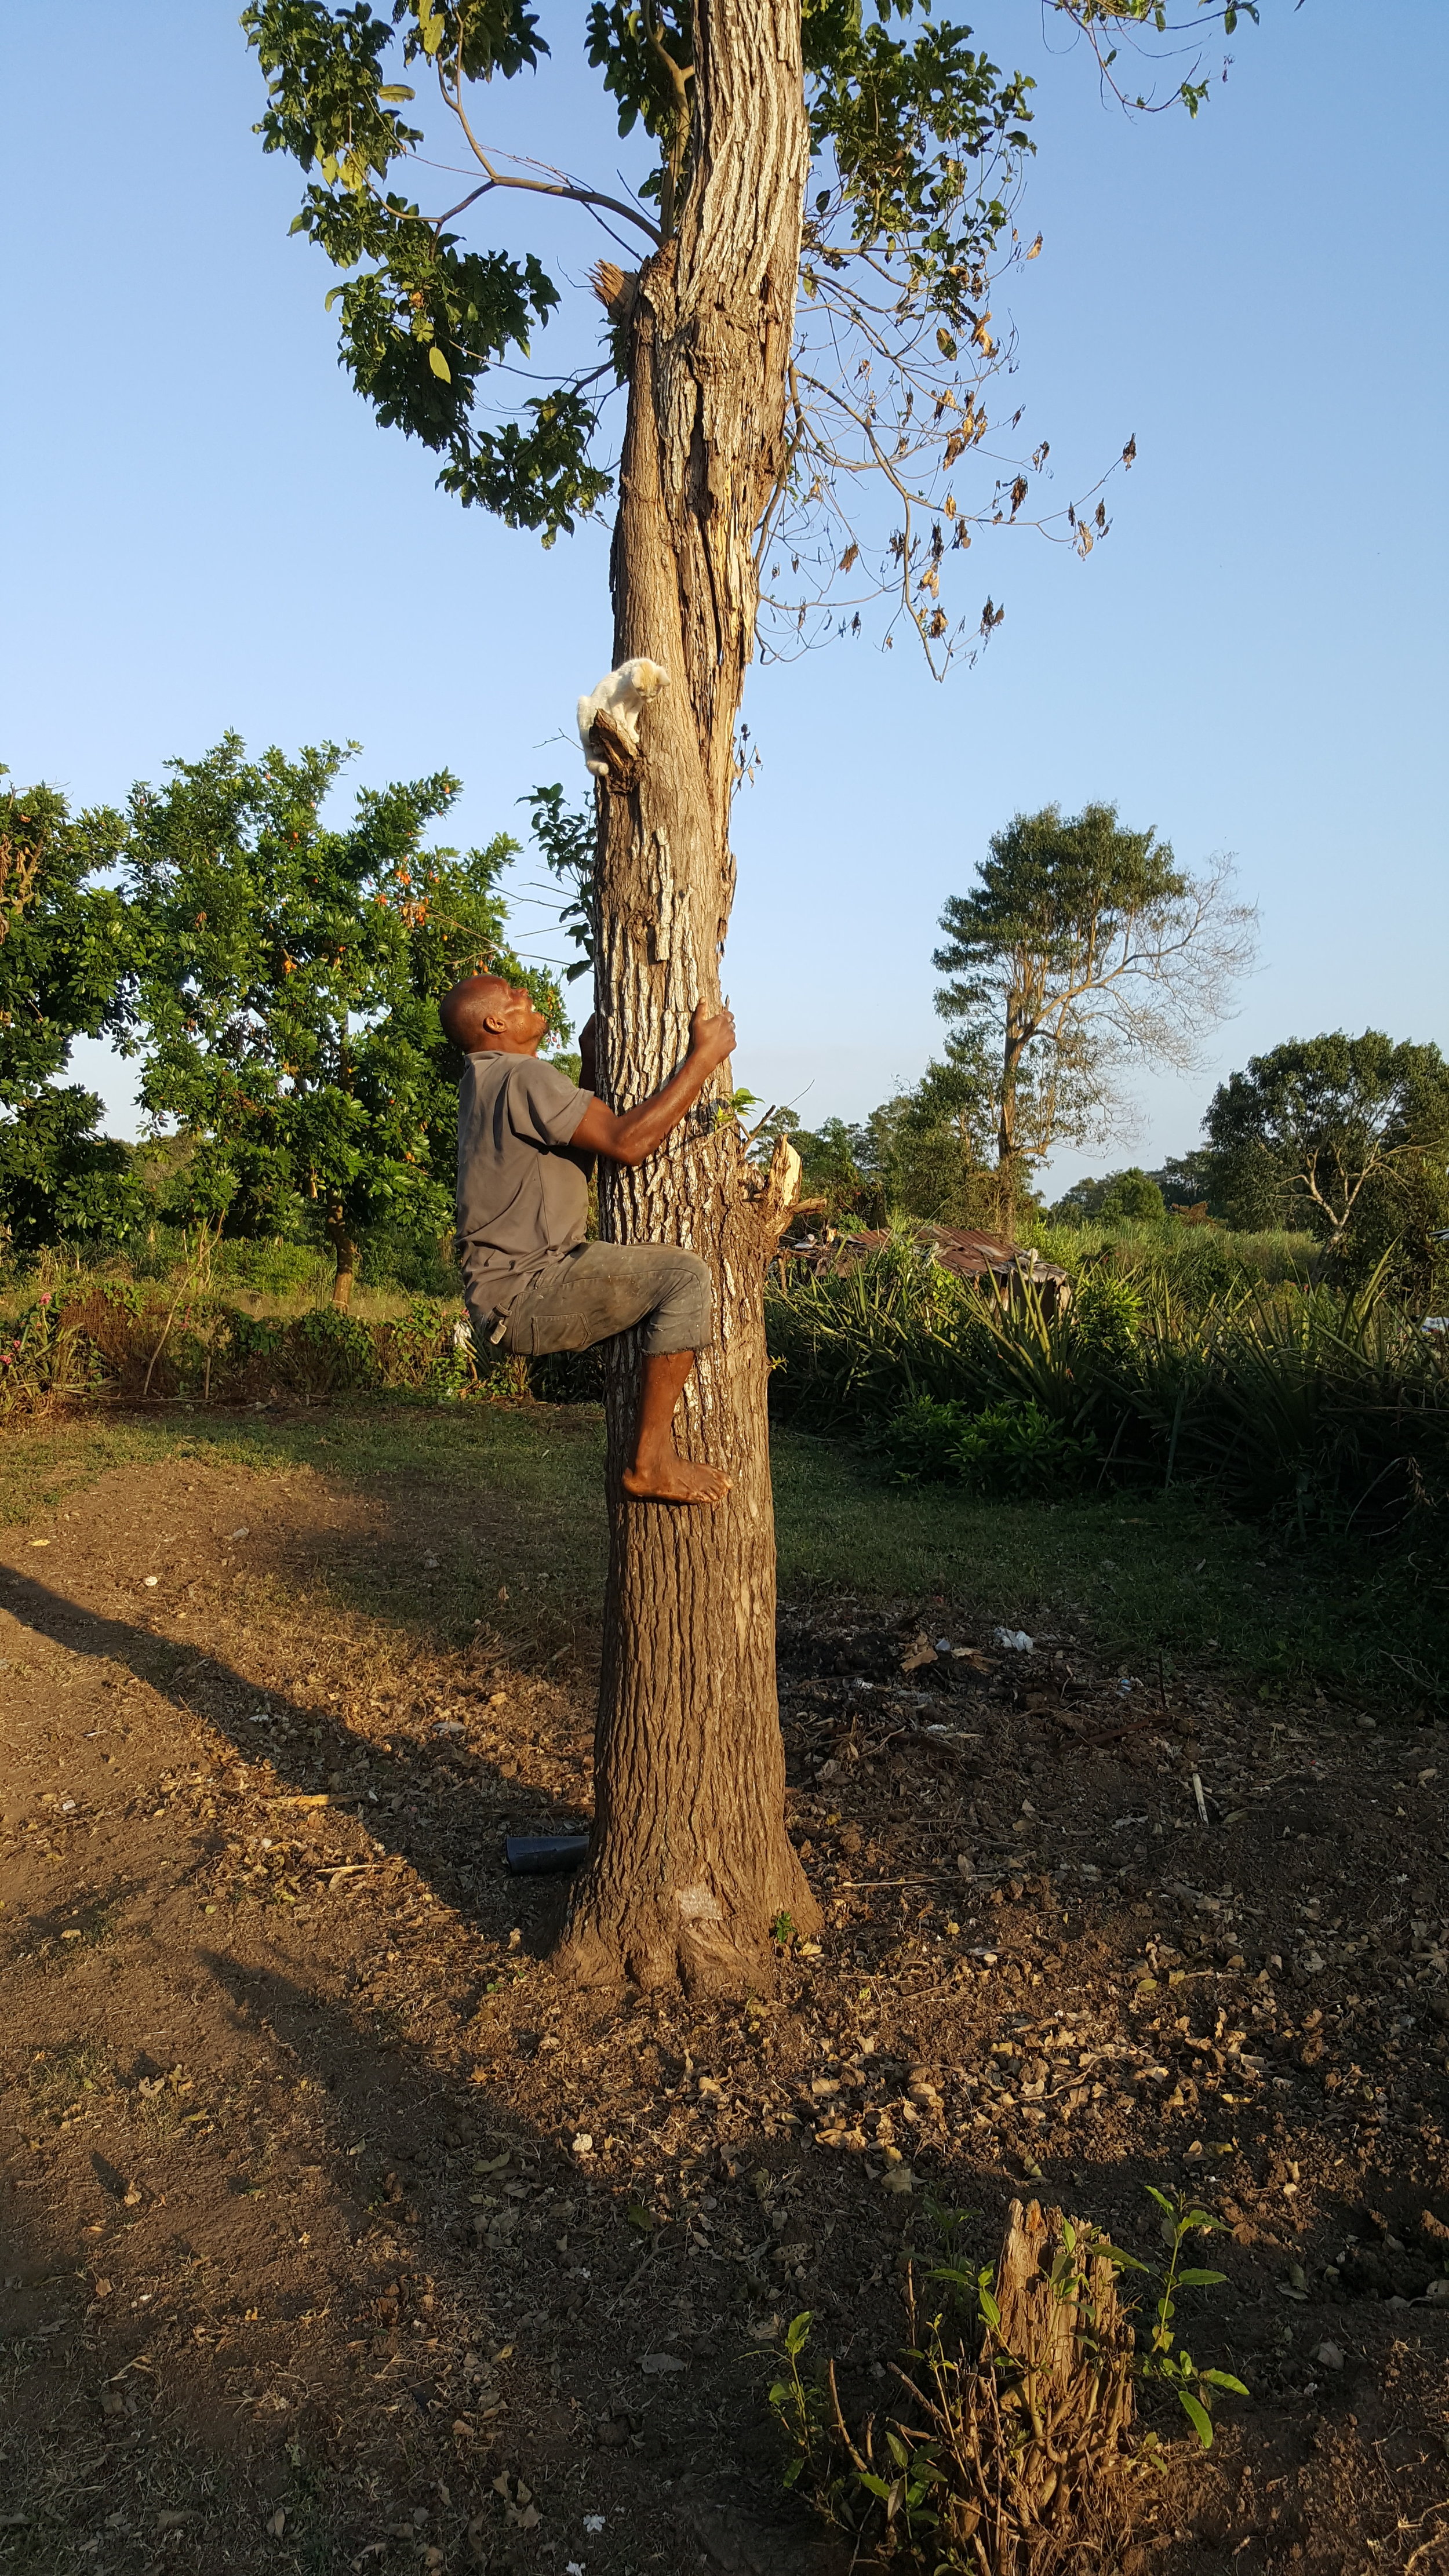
x=345, y=1254
x=690, y=1863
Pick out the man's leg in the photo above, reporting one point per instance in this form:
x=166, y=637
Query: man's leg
x=657, y=1473
x=601, y=1289
x=680, y=1325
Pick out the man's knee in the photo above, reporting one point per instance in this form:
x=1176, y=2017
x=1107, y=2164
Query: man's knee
x=683, y=1318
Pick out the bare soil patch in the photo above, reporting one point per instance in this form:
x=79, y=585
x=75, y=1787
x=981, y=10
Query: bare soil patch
x=338, y=2235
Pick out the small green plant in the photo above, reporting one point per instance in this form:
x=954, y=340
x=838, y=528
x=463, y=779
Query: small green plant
x=1165, y=2359
x=735, y=1107
x=782, y=1930
x=796, y=2404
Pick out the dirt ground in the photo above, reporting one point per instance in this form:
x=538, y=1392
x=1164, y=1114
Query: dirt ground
x=336, y=2234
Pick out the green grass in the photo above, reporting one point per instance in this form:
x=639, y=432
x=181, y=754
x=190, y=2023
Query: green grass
x=1168, y=1576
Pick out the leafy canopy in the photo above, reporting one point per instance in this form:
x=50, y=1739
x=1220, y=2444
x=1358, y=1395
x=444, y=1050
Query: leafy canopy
x=288, y=982
x=61, y=1182
x=64, y=943
x=1303, y=1130
x=62, y=935
x=919, y=144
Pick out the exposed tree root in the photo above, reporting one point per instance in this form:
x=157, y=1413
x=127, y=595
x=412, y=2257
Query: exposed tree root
x=617, y=1937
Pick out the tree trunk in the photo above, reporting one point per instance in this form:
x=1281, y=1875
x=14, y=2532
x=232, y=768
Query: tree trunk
x=345, y=1253
x=690, y=1864
x=1008, y=1159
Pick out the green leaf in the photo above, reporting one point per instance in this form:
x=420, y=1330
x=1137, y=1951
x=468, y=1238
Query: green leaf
x=989, y=2308
x=1225, y=2379
x=396, y=89
x=1199, y=2418
x=1196, y=2280
x=440, y=366
x=797, y=2333
x=1162, y=2200
x=793, y=2471
x=898, y=2451
x=874, y=2486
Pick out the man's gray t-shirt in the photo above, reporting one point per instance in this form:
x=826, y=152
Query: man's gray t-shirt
x=522, y=1199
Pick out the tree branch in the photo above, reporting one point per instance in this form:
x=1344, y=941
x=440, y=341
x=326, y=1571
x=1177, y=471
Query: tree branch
x=555, y=187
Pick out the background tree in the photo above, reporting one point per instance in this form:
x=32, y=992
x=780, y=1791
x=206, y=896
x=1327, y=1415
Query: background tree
x=1132, y=1197
x=778, y=357
x=63, y=954
x=1082, y=951
x=1304, y=1131
x=287, y=983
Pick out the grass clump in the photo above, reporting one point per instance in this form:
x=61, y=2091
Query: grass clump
x=60, y=2078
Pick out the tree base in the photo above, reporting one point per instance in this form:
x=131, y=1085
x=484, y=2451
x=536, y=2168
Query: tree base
x=617, y=1936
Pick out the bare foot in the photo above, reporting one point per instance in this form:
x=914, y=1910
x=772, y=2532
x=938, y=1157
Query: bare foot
x=675, y=1480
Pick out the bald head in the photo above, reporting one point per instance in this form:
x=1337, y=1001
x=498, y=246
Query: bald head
x=487, y=1012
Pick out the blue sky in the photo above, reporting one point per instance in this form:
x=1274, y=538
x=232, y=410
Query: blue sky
x=204, y=528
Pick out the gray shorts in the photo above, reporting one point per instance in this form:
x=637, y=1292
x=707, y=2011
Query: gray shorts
x=600, y=1289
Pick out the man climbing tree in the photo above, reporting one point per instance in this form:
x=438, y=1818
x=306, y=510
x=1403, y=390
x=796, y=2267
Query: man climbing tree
x=771, y=350
x=527, y=1138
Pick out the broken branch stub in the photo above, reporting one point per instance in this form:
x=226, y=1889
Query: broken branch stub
x=773, y=1194
x=621, y=756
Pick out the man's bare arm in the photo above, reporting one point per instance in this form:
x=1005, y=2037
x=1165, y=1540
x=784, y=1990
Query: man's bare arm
x=635, y=1134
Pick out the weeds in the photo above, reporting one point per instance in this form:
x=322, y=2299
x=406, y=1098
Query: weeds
x=60, y=2078
x=1013, y=2444
x=45, y=1362
x=113, y=1337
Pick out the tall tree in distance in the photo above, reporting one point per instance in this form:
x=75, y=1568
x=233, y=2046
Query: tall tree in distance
x=1082, y=952
x=287, y=980
x=806, y=316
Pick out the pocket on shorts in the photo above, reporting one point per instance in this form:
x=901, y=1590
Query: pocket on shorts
x=552, y=1328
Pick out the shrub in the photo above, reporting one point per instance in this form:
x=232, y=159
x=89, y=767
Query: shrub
x=1108, y=1312
x=1007, y=1449
x=45, y=1361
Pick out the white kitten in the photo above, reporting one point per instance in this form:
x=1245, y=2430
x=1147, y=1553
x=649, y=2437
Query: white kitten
x=619, y=695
